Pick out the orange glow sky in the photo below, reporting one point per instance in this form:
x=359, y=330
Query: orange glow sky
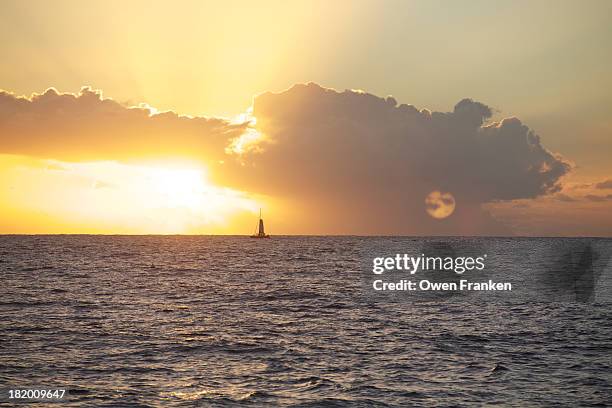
x=145, y=171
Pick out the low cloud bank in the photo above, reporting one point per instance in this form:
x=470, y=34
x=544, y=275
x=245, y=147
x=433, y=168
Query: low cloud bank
x=85, y=126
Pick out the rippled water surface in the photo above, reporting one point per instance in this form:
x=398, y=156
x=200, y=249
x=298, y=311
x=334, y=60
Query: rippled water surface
x=231, y=321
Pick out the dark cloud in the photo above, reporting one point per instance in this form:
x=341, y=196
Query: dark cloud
x=371, y=162
x=85, y=126
x=604, y=185
x=598, y=198
x=521, y=205
x=564, y=197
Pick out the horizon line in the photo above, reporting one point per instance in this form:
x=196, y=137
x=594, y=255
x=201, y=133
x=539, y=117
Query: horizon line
x=306, y=235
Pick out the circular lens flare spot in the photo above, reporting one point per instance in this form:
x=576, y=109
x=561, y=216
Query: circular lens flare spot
x=439, y=205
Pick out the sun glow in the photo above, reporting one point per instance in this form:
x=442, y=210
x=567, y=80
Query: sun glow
x=111, y=197
x=178, y=188
x=248, y=141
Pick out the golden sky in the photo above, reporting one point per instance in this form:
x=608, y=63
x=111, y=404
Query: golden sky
x=238, y=135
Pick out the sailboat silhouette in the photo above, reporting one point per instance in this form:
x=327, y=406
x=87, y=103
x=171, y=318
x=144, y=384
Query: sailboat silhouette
x=260, y=232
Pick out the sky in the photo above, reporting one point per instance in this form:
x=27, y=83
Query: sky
x=360, y=117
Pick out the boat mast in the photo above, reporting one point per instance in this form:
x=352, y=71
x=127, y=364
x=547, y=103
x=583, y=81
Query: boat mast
x=261, y=224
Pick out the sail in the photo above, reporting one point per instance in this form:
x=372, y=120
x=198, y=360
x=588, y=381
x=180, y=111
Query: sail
x=260, y=232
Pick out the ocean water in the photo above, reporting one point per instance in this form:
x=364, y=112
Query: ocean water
x=182, y=321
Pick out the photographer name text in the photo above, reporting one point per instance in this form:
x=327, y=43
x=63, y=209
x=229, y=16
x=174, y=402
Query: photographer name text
x=412, y=265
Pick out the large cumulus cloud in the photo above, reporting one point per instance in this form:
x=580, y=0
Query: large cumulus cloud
x=365, y=163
